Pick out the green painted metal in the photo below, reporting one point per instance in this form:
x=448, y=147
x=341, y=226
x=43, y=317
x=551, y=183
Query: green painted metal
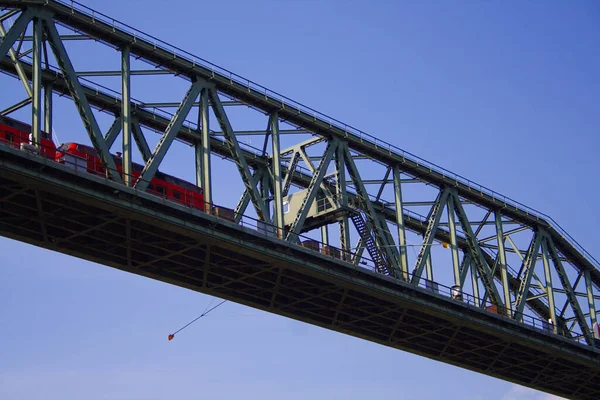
x=502, y=259
x=170, y=133
x=81, y=102
x=527, y=267
x=14, y=32
x=562, y=275
x=238, y=158
x=36, y=80
x=549, y=286
x=342, y=198
x=453, y=242
x=478, y=258
x=402, y=248
x=203, y=163
x=140, y=140
x=126, y=114
x=589, y=286
x=312, y=190
x=432, y=223
x=113, y=132
x=20, y=71
x=276, y=167
x=16, y=107
x=48, y=107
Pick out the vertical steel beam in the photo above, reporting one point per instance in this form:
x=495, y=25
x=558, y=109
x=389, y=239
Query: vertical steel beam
x=78, y=95
x=342, y=200
x=402, y=248
x=475, y=283
x=590, y=297
x=48, y=108
x=325, y=235
x=453, y=242
x=502, y=258
x=126, y=114
x=203, y=165
x=36, y=80
x=428, y=266
x=549, y=287
x=276, y=165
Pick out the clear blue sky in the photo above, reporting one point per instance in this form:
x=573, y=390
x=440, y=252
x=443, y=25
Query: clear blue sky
x=504, y=93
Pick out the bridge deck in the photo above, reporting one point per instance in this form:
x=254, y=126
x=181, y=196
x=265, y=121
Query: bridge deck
x=50, y=206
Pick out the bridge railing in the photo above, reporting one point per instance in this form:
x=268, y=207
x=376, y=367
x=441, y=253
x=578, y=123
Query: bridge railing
x=357, y=133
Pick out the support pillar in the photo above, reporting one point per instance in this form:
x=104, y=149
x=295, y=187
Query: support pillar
x=48, y=108
x=453, y=242
x=503, y=266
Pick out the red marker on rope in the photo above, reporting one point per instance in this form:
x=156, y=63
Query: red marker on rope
x=172, y=335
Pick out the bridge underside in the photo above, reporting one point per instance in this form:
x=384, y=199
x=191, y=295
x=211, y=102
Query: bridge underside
x=48, y=205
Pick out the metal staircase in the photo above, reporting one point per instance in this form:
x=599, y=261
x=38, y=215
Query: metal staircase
x=369, y=242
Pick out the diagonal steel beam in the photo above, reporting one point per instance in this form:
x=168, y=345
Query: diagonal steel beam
x=240, y=209
x=527, y=267
x=363, y=195
x=328, y=195
x=14, y=57
x=113, y=132
x=287, y=182
x=238, y=157
x=170, y=133
x=312, y=190
x=564, y=279
x=478, y=259
x=140, y=140
x=78, y=95
x=433, y=221
x=16, y=107
x=14, y=32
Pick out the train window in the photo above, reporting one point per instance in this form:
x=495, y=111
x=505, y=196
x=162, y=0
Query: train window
x=9, y=137
x=161, y=189
x=286, y=207
x=177, y=195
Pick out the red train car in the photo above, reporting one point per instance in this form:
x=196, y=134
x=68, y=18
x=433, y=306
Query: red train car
x=17, y=134
x=85, y=158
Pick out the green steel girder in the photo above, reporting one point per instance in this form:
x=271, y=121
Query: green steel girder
x=562, y=275
x=13, y=56
x=78, y=95
x=312, y=190
x=16, y=106
x=526, y=274
x=170, y=133
x=140, y=140
x=411, y=223
x=113, y=132
x=363, y=196
x=482, y=267
x=238, y=156
x=16, y=30
x=433, y=220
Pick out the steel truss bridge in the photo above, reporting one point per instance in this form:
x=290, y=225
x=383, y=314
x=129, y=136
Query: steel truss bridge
x=417, y=258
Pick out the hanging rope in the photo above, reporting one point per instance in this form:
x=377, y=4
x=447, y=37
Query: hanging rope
x=172, y=335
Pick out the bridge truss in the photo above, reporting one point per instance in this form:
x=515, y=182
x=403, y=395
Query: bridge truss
x=395, y=217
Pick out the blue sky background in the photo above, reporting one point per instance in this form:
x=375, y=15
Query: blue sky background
x=506, y=94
